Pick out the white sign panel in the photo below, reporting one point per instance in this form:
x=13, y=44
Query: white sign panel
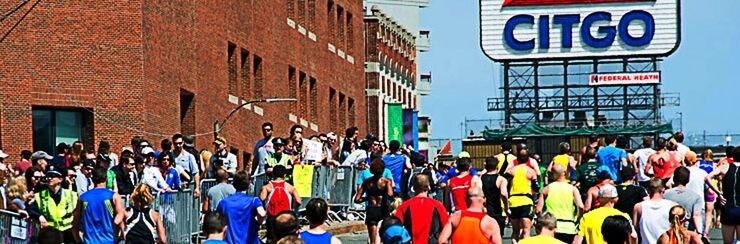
x=624, y=79
x=313, y=149
x=568, y=29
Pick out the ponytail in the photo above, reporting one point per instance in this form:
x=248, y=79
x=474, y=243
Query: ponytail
x=677, y=214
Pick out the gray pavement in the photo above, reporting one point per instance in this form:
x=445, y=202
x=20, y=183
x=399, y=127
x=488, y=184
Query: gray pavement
x=715, y=236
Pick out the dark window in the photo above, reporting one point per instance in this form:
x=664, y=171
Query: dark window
x=350, y=33
x=340, y=26
x=245, y=72
x=342, y=112
x=301, y=12
x=187, y=112
x=302, y=93
x=312, y=15
x=291, y=9
x=351, y=112
x=51, y=127
x=332, y=109
x=330, y=20
x=258, y=78
x=314, y=98
x=292, y=87
x=232, y=69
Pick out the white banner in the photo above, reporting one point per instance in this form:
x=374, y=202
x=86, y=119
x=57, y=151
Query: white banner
x=624, y=79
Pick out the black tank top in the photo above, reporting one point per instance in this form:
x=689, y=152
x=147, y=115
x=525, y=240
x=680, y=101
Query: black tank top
x=140, y=227
x=729, y=186
x=372, y=189
x=492, y=193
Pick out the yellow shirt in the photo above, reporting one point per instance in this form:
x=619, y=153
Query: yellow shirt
x=540, y=239
x=590, y=227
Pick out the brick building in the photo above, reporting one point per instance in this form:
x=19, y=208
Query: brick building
x=390, y=72
x=109, y=70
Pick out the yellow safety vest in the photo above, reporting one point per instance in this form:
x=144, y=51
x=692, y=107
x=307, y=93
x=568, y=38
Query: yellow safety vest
x=58, y=216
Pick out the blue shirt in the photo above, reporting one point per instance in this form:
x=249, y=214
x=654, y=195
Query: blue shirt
x=452, y=173
x=312, y=238
x=240, y=210
x=214, y=242
x=365, y=174
x=707, y=166
x=395, y=163
x=97, y=216
x=611, y=157
x=173, y=179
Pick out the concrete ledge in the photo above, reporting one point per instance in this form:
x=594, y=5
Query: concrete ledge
x=347, y=227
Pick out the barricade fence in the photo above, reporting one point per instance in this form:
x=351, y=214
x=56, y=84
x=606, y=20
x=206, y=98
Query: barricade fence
x=16, y=229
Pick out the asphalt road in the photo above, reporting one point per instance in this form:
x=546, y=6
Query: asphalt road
x=715, y=236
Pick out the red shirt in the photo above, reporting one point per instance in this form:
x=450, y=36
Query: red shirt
x=459, y=189
x=424, y=218
x=22, y=166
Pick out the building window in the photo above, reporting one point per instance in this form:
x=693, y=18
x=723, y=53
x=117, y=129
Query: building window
x=291, y=9
x=351, y=111
x=340, y=26
x=302, y=93
x=350, y=33
x=51, y=127
x=314, y=98
x=292, y=87
x=245, y=72
x=232, y=68
x=332, y=109
x=342, y=112
x=312, y=15
x=301, y=12
x=330, y=20
x=258, y=77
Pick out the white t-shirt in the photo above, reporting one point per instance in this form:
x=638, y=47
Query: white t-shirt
x=642, y=156
x=696, y=180
x=682, y=149
x=153, y=178
x=356, y=157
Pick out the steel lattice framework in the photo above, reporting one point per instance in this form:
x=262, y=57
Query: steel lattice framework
x=557, y=94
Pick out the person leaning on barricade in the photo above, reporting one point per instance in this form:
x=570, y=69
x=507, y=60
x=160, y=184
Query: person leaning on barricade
x=54, y=206
x=143, y=224
x=215, y=194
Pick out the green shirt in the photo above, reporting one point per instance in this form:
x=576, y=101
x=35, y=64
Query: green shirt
x=111, y=180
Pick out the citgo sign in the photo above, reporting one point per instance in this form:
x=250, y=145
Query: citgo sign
x=568, y=29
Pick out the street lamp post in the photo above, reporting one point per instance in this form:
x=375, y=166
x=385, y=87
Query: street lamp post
x=218, y=127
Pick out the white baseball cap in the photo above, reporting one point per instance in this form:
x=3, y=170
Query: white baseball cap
x=3, y=155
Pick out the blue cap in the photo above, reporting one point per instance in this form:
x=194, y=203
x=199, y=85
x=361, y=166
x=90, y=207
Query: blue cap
x=395, y=234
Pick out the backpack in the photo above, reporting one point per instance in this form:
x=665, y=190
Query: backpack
x=279, y=199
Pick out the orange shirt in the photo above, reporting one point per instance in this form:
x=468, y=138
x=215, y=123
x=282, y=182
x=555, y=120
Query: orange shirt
x=469, y=229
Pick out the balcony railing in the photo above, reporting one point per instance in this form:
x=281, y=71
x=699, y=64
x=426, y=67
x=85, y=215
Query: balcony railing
x=423, y=43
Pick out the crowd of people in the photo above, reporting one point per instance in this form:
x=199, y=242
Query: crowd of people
x=662, y=193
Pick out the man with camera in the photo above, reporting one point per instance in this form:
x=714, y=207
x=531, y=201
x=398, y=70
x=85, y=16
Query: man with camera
x=222, y=158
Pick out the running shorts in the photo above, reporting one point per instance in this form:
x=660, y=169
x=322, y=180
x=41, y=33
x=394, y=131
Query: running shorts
x=526, y=211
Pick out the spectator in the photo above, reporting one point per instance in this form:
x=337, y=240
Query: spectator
x=185, y=161
x=104, y=153
x=294, y=144
x=616, y=229
x=143, y=225
x=222, y=158
x=317, y=211
x=262, y=148
x=590, y=227
x=16, y=193
x=139, y=165
x=396, y=163
x=546, y=227
x=189, y=146
x=652, y=216
x=54, y=206
x=77, y=154
x=125, y=176
x=277, y=158
x=643, y=155
x=612, y=157
x=285, y=225
x=25, y=163
x=40, y=158
x=214, y=227
x=84, y=177
x=422, y=216
x=629, y=193
x=243, y=212
x=471, y=225
x=218, y=192
x=687, y=198
x=345, y=149
x=102, y=162
x=135, y=144
x=70, y=182
x=350, y=138
x=94, y=213
x=678, y=233
x=33, y=176
x=360, y=155
x=376, y=191
x=165, y=145
x=61, y=157
x=278, y=195
x=171, y=176
x=151, y=175
x=563, y=201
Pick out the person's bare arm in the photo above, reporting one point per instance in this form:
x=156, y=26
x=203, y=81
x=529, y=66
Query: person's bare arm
x=536, y=166
x=476, y=182
x=503, y=186
x=649, y=165
x=549, y=167
x=115, y=185
x=358, y=196
x=697, y=218
x=489, y=225
x=76, y=222
x=205, y=207
x=589, y=200
x=295, y=194
x=389, y=188
x=636, y=214
x=664, y=239
x=444, y=236
x=196, y=191
x=695, y=238
x=264, y=192
x=120, y=212
x=161, y=233
x=261, y=213
x=578, y=239
x=577, y=197
x=541, y=200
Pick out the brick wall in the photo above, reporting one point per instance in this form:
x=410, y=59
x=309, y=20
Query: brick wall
x=129, y=61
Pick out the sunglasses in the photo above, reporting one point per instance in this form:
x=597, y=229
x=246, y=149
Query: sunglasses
x=267, y=129
x=299, y=132
x=178, y=143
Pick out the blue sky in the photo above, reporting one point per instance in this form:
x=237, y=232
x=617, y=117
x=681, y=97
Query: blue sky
x=703, y=70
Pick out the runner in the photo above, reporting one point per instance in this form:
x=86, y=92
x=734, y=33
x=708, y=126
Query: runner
x=243, y=212
x=616, y=230
x=687, y=198
x=629, y=193
x=471, y=225
x=612, y=157
x=458, y=186
x=520, y=199
x=593, y=141
x=642, y=155
x=546, y=227
x=99, y=214
x=707, y=164
x=563, y=201
x=729, y=197
x=664, y=161
x=421, y=215
x=677, y=234
x=278, y=195
x=565, y=160
x=604, y=178
x=590, y=225
x=143, y=224
x=651, y=216
x=376, y=190
x=495, y=187
x=396, y=163
x=505, y=158
x=586, y=173
x=317, y=211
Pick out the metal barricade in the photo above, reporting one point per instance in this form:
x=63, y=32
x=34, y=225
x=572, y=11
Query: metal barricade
x=15, y=229
x=176, y=211
x=341, y=189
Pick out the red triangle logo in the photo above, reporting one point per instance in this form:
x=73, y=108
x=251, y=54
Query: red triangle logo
x=515, y=3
